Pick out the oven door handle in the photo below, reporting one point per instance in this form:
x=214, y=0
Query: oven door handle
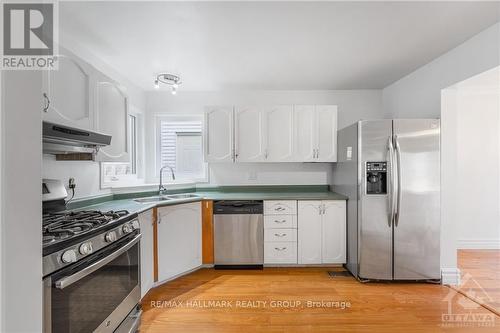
x=69, y=280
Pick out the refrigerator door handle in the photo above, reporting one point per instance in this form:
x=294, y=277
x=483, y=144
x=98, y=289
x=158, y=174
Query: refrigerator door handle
x=390, y=148
x=399, y=176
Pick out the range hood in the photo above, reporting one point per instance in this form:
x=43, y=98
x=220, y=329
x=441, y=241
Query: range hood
x=69, y=143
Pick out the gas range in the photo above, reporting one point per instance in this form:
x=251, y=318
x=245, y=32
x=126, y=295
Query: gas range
x=90, y=257
x=70, y=236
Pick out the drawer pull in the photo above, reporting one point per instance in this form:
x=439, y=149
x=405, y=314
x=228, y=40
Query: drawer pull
x=280, y=235
x=279, y=209
x=278, y=221
x=280, y=248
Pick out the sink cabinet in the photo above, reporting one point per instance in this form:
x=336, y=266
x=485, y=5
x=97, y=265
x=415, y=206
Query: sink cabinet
x=179, y=239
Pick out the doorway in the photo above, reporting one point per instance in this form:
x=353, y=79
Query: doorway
x=471, y=184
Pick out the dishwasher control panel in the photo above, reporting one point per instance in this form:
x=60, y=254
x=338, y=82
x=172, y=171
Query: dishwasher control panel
x=238, y=207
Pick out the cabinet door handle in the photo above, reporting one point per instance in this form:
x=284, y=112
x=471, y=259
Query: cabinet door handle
x=280, y=235
x=280, y=248
x=317, y=153
x=47, y=102
x=208, y=135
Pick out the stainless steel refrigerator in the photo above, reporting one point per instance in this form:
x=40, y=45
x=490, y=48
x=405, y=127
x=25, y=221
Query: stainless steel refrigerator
x=390, y=170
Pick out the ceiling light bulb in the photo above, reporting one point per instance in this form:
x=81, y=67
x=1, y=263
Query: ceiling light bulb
x=174, y=91
x=157, y=84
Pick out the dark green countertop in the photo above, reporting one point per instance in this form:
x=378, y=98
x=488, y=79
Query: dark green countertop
x=126, y=201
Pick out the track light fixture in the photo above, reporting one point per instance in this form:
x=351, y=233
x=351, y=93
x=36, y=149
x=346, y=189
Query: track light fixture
x=169, y=79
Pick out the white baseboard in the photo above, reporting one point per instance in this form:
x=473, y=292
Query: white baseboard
x=479, y=244
x=450, y=276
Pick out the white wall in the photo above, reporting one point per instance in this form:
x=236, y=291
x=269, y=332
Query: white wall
x=470, y=166
x=418, y=94
x=87, y=174
x=353, y=105
x=477, y=135
x=21, y=234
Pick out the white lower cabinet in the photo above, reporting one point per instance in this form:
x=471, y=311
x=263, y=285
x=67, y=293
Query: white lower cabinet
x=333, y=235
x=280, y=235
x=309, y=232
x=280, y=232
x=321, y=232
x=147, y=276
x=179, y=239
x=280, y=252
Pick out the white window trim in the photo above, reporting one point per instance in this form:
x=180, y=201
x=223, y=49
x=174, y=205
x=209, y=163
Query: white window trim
x=179, y=117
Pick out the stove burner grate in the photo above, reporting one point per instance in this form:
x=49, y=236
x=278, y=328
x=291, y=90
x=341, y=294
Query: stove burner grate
x=58, y=226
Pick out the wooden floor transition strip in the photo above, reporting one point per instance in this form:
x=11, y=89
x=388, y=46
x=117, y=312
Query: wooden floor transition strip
x=475, y=300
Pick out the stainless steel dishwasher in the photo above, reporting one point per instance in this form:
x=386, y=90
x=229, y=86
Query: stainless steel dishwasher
x=238, y=234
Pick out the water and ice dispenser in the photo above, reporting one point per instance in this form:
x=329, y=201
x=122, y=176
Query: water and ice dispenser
x=376, y=177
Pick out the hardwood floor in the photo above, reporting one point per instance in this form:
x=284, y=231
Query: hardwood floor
x=369, y=307
x=481, y=277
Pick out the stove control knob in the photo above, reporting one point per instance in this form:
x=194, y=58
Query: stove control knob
x=110, y=236
x=86, y=248
x=135, y=224
x=68, y=256
x=127, y=228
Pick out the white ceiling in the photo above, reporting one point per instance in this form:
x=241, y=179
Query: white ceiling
x=272, y=45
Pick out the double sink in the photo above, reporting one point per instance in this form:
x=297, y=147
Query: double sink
x=162, y=198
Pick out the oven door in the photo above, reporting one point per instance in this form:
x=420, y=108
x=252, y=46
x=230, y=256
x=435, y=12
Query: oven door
x=96, y=294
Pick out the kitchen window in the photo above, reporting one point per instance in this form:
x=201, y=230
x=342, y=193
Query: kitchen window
x=180, y=146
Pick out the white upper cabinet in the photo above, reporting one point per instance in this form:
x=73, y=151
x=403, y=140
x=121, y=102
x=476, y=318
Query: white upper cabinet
x=278, y=133
x=305, y=133
x=315, y=128
x=219, y=134
x=326, y=133
x=68, y=95
x=249, y=134
x=282, y=133
x=111, y=119
x=334, y=232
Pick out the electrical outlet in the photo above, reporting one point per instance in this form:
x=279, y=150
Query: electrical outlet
x=252, y=175
x=71, y=183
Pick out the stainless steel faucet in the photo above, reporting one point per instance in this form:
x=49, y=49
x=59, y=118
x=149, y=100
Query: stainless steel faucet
x=162, y=188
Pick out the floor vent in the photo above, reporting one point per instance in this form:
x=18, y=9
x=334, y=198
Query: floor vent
x=339, y=273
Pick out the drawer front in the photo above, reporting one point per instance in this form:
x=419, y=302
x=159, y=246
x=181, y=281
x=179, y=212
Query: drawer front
x=280, y=221
x=280, y=253
x=280, y=235
x=284, y=207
